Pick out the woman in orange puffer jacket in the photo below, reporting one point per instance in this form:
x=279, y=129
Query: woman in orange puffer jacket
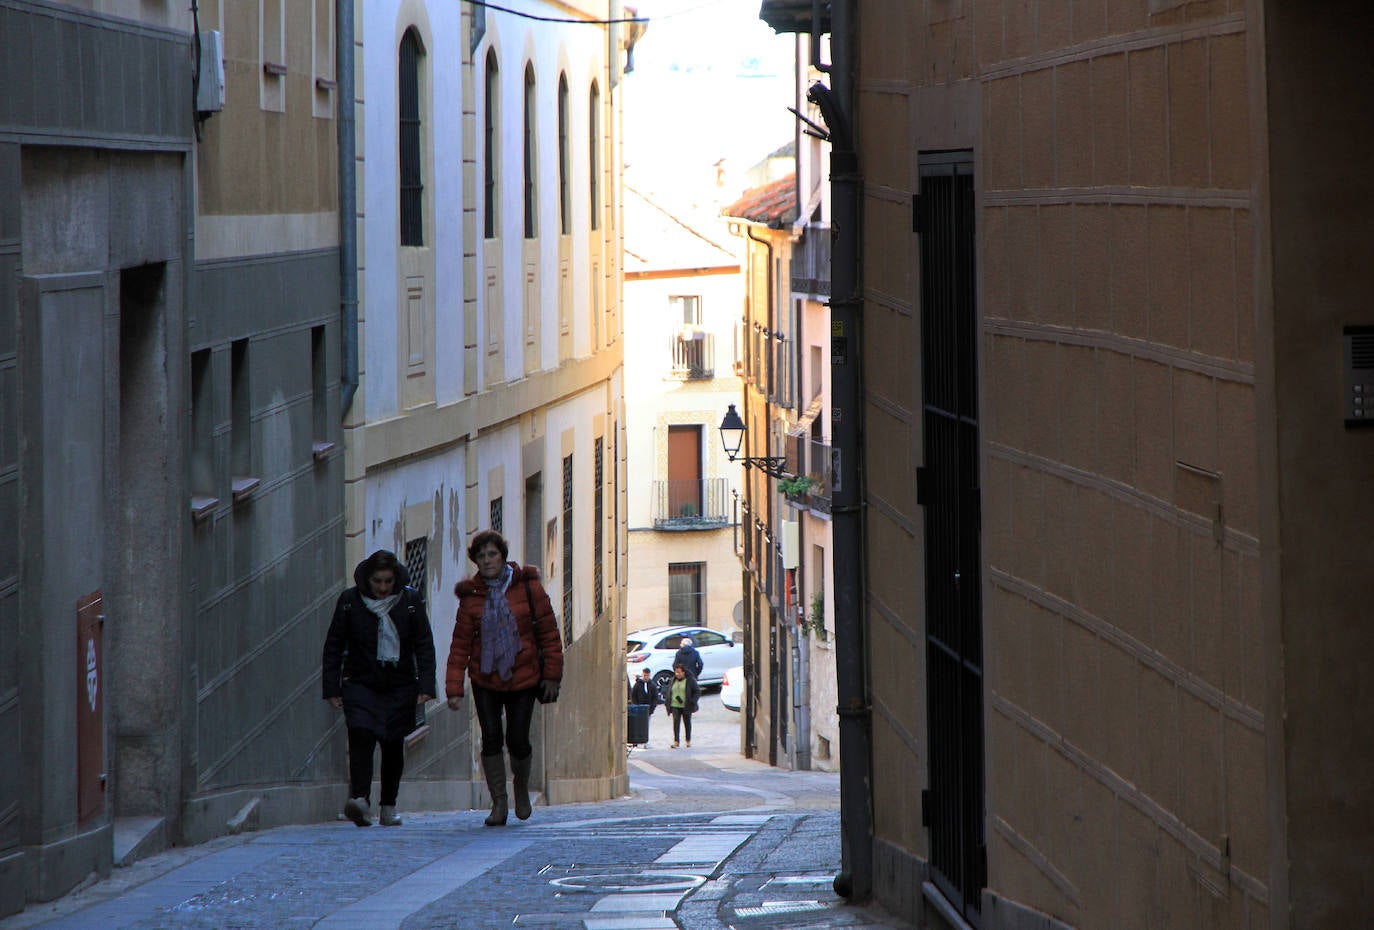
x=506, y=639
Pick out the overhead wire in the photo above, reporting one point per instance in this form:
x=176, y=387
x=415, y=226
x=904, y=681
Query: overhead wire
x=559, y=19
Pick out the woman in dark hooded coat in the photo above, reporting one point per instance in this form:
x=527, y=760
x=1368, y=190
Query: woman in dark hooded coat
x=378, y=665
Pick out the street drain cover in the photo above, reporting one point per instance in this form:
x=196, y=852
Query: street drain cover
x=780, y=907
x=663, y=882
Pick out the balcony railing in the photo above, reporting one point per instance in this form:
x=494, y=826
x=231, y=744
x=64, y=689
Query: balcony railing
x=694, y=356
x=691, y=504
x=811, y=261
x=812, y=462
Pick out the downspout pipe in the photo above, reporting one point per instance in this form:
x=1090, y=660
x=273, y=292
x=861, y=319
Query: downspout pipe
x=753, y=642
x=348, y=204
x=855, y=881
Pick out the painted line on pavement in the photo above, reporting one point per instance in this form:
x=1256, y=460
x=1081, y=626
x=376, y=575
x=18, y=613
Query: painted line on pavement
x=713, y=848
x=386, y=909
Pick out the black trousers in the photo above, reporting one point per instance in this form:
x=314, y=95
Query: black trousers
x=518, y=707
x=682, y=719
x=361, y=743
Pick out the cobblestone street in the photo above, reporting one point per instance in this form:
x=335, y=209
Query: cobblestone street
x=707, y=840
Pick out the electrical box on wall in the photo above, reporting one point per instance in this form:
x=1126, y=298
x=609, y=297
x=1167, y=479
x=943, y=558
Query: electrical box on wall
x=1359, y=376
x=791, y=545
x=210, y=91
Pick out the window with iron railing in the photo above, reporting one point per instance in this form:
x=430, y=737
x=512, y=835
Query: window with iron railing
x=811, y=262
x=686, y=593
x=694, y=356
x=813, y=463
x=598, y=525
x=691, y=504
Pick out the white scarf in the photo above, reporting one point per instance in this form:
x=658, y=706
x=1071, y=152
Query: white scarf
x=388, y=642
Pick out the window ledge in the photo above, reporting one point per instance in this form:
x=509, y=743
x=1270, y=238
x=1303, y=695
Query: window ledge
x=321, y=450
x=274, y=69
x=324, y=84
x=243, y=486
x=202, y=505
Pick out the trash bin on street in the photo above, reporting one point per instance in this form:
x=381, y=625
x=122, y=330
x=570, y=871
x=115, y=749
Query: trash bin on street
x=637, y=724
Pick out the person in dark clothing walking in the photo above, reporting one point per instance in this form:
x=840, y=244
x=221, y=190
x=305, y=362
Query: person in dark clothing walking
x=683, y=693
x=506, y=640
x=378, y=664
x=644, y=692
x=688, y=657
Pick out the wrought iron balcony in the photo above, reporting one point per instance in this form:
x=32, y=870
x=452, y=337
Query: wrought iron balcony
x=694, y=355
x=811, y=261
x=691, y=504
x=811, y=461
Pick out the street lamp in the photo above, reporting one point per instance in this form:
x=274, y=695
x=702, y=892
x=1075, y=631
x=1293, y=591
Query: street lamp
x=732, y=437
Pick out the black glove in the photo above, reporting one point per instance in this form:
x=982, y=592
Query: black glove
x=548, y=691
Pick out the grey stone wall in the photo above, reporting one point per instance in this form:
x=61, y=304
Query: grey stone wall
x=266, y=566
x=11, y=856
x=74, y=77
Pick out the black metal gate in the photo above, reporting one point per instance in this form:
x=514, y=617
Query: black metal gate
x=948, y=488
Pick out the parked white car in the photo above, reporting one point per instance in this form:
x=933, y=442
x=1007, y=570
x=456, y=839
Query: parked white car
x=655, y=648
x=732, y=688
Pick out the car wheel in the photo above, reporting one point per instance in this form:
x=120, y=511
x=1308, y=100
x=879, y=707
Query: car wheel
x=663, y=681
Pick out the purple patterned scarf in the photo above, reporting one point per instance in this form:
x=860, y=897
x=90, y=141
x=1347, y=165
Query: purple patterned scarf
x=500, y=635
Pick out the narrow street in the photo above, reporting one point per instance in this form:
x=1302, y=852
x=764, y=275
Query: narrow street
x=707, y=840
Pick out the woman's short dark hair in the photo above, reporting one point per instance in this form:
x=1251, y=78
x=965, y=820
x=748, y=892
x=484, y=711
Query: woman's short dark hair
x=383, y=560
x=480, y=541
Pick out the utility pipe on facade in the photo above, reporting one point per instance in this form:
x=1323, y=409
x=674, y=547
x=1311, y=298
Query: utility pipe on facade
x=802, y=648
x=348, y=203
x=855, y=880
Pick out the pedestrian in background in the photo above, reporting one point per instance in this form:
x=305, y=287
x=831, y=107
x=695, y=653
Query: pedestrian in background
x=506, y=639
x=683, y=692
x=378, y=664
x=688, y=657
x=644, y=691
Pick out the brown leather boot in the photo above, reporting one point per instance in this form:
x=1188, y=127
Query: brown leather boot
x=494, y=767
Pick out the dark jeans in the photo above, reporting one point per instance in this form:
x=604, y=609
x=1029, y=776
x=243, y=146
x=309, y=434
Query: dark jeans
x=360, y=746
x=682, y=719
x=519, y=708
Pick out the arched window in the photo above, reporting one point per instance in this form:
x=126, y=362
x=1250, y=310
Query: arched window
x=564, y=197
x=491, y=144
x=412, y=182
x=594, y=152
x=531, y=159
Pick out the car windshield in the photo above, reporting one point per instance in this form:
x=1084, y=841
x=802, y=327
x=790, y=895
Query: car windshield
x=634, y=645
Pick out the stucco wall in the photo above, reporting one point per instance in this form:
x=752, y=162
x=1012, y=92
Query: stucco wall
x=1124, y=703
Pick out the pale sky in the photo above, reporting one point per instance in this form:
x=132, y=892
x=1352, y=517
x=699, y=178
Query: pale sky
x=711, y=81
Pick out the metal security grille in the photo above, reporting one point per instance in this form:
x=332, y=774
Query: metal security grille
x=567, y=548
x=686, y=593
x=531, y=159
x=564, y=173
x=598, y=529
x=490, y=145
x=417, y=564
x=412, y=190
x=949, y=489
x=497, y=515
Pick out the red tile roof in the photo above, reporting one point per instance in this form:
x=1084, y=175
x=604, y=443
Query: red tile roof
x=774, y=204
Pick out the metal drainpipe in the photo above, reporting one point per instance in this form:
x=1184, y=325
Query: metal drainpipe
x=754, y=512
x=855, y=880
x=348, y=205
